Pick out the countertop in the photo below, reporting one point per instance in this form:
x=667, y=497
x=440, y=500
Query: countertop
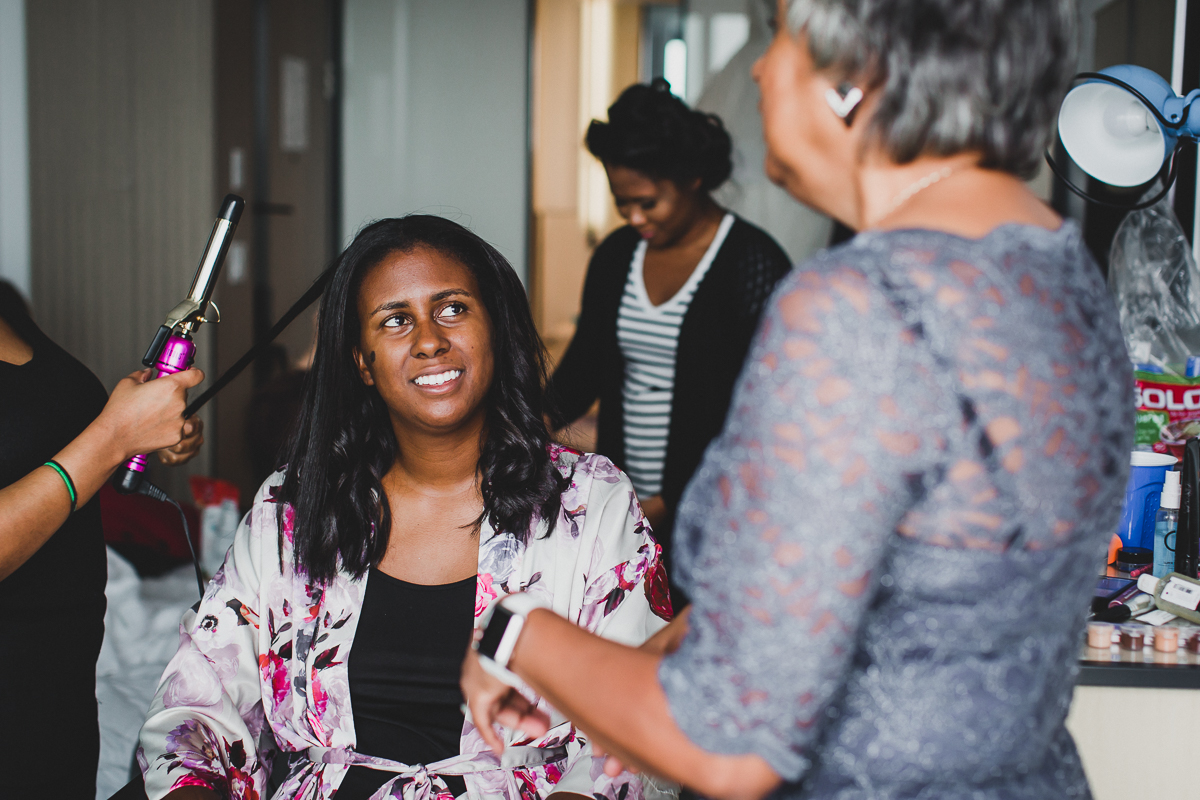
x=1146, y=668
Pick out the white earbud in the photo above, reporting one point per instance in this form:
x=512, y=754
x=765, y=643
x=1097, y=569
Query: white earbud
x=844, y=104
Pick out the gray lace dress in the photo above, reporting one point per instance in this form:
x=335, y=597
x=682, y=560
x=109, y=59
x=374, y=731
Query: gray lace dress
x=892, y=544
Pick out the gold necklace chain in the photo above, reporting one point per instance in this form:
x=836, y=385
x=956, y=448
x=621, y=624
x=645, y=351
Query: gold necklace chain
x=916, y=188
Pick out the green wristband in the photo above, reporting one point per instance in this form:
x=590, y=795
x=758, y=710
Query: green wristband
x=62, y=473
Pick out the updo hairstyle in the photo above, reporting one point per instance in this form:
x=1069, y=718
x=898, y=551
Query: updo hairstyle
x=954, y=75
x=653, y=132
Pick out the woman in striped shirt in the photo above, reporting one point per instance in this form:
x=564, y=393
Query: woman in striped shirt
x=670, y=301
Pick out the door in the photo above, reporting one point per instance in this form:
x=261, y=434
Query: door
x=276, y=122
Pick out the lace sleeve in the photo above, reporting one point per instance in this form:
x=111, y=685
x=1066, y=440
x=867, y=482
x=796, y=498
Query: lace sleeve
x=835, y=424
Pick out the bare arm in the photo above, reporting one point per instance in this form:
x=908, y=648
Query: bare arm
x=587, y=678
x=140, y=417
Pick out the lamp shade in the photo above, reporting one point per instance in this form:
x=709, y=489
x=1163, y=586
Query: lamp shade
x=1111, y=134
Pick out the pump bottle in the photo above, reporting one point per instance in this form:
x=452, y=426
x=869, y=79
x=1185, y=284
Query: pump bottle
x=1166, y=524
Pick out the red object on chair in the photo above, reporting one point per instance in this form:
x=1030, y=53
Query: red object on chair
x=147, y=532
x=212, y=491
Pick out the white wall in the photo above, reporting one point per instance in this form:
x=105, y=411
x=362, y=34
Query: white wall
x=732, y=95
x=1154, y=761
x=435, y=116
x=121, y=177
x=14, y=147
x=715, y=30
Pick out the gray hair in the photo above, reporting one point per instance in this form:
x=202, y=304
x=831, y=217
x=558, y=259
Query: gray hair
x=954, y=75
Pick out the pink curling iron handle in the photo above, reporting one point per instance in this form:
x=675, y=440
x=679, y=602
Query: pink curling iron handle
x=177, y=355
x=173, y=349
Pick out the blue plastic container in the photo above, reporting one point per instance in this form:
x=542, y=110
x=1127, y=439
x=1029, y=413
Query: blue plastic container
x=1148, y=472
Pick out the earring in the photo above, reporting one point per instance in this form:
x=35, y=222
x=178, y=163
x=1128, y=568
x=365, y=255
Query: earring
x=844, y=101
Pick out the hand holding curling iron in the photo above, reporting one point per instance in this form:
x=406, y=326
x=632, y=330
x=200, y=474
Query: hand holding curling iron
x=141, y=416
x=144, y=415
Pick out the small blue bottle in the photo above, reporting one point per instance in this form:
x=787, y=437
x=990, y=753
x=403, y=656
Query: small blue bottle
x=1166, y=523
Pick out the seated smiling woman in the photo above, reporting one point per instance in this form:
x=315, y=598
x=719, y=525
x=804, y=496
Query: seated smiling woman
x=420, y=486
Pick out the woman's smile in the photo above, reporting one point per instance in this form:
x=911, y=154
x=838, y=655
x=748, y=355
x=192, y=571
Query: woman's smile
x=439, y=382
x=425, y=341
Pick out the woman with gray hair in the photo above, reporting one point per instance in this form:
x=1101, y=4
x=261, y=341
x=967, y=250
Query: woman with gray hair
x=891, y=545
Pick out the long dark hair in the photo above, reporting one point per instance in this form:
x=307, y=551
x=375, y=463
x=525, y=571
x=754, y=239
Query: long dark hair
x=343, y=443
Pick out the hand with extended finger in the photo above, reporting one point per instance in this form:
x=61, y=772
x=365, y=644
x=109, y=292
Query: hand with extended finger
x=487, y=682
x=491, y=702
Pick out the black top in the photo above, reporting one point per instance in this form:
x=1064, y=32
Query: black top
x=52, y=606
x=403, y=669
x=713, y=340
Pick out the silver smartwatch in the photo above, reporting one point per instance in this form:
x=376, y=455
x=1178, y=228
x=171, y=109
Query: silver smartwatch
x=499, y=632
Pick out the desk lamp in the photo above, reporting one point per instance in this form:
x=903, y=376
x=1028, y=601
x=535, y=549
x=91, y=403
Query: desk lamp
x=1122, y=126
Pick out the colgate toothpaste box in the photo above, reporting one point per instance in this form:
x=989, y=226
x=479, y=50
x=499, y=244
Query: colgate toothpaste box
x=1168, y=411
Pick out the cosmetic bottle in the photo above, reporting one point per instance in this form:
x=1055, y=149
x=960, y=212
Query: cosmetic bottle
x=1165, y=524
x=1133, y=637
x=1134, y=561
x=1178, y=594
x=1122, y=611
x=1166, y=639
x=1187, y=535
x=1099, y=635
x=1130, y=592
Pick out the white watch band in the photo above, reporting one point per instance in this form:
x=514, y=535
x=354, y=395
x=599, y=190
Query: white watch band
x=518, y=605
x=499, y=673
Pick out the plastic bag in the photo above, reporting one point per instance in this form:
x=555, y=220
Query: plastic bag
x=1154, y=279
x=1156, y=283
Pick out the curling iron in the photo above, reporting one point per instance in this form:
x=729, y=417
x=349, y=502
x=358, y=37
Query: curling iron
x=172, y=349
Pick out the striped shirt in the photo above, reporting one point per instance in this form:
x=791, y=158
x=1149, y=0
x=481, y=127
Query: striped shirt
x=648, y=336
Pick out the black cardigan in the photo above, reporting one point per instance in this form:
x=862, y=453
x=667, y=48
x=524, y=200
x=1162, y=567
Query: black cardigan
x=713, y=339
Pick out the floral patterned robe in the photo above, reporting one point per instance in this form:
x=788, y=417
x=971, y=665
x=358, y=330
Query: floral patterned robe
x=262, y=664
